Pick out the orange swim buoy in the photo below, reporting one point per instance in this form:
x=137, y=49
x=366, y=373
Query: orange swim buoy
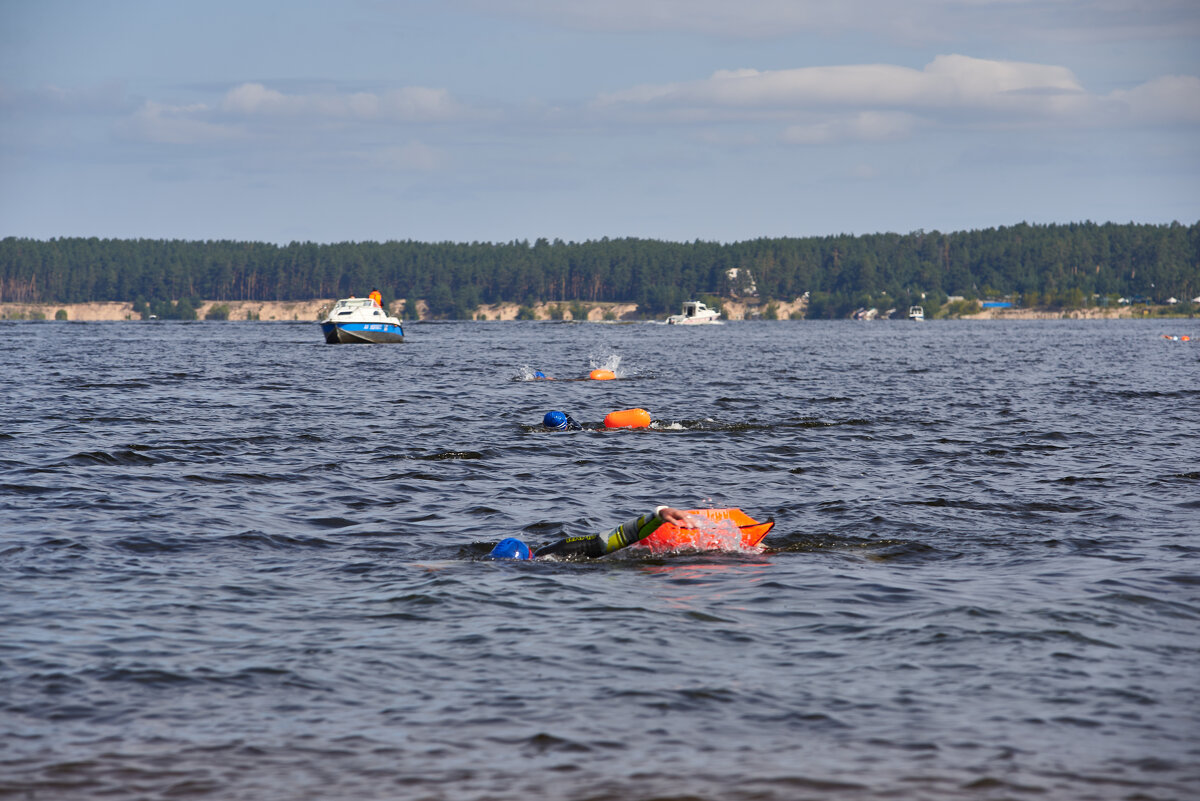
x=602, y=375
x=742, y=532
x=627, y=418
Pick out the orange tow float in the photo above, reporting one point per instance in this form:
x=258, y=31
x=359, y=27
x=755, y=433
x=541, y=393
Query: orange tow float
x=627, y=418
x=600, y=374
x=725, y=530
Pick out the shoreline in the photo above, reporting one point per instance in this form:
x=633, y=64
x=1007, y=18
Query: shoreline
x=732, y=310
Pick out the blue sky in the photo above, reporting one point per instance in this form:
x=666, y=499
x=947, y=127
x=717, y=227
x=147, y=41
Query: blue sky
x=495, y=120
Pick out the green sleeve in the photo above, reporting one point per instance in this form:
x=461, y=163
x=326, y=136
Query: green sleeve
x=596, y=545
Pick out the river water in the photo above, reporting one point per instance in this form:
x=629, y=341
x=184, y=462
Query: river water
x=238, y=563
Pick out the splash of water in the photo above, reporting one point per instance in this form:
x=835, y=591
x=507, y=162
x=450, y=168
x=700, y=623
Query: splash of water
x=718, y=535
x=708, y=535
x=611, y=361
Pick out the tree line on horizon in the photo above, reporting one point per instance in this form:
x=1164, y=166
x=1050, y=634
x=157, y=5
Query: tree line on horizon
x=1067, y=265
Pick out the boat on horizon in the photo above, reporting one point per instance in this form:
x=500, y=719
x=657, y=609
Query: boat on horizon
x=916, y=313
x=360, y=320
x=694, y=313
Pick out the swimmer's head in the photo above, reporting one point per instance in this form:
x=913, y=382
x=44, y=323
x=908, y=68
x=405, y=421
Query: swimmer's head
x=538, y=374
x=555, y=421
x=510, y=548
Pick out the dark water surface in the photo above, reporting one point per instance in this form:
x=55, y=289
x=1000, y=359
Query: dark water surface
x=237, y=563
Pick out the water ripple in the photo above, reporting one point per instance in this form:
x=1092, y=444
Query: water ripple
x=232, y=572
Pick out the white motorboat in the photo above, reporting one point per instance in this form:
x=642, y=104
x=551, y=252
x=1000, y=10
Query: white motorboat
x=694, y=313
x=353, y=320
x=916, y=313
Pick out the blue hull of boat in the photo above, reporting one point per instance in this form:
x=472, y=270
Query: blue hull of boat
x=353, y=333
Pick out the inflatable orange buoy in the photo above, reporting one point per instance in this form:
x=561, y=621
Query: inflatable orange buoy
x=602, y=375
x=1185, y=338
x=725, y=530
x=627, y=418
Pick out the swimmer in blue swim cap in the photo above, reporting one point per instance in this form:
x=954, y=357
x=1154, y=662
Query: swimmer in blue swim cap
x=596, y=545
x=560, y=421
x=510, y=548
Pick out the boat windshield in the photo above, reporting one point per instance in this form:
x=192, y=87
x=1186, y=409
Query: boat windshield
x=354, y=303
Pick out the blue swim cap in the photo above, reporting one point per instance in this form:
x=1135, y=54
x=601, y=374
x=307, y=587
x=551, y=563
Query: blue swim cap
x=538, y=374
x=510, y=548
x=555, y=420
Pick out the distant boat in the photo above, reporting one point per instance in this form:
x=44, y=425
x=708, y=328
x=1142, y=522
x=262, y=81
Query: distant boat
x=694, y=313
x=353, y=320
x=916, y=313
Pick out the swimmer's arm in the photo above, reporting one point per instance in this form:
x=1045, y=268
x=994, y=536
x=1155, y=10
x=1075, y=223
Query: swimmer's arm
x=593, y=546
x=676, y=516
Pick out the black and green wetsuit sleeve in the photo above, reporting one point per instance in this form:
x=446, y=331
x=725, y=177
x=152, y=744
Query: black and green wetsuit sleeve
x=596, y=545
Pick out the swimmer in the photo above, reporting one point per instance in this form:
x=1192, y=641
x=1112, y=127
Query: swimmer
x=560, y=421
x=593, y=546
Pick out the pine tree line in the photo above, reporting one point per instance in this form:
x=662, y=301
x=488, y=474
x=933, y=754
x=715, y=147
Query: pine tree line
x=1042, y=264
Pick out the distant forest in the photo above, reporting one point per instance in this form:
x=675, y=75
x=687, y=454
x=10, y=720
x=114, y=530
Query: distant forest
x=1070, y=265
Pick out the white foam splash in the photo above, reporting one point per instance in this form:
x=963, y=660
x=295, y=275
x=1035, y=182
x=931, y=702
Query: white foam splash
x=610, y=361
x=716, y=535
x=708, y=535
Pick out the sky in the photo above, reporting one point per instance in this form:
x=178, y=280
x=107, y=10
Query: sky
x=503, y=120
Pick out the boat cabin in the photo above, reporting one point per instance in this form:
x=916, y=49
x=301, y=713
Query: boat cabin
x=348, y=306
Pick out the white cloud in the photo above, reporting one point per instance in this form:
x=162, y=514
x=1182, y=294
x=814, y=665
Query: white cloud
x=251, y=98
x=951, y=81
x=876, y=102
x=254, y=111
x=104, y=98
x=410, y=103
x=176, y=125
x=1171, y=98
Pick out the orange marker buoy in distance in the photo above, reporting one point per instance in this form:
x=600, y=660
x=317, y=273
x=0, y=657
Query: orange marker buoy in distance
x=602, y=375
x=627, y=418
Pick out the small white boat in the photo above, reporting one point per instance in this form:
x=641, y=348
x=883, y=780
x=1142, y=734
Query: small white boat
x=694, y=313
x=353, y=320
x=916, y=313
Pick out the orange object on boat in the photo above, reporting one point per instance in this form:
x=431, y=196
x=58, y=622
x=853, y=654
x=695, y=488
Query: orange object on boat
x=724, y=530
x=627, y=418
x=602, y=375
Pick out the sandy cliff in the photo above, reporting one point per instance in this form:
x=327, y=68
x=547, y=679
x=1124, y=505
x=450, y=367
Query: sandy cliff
x=312, y=310
x=101, y=312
